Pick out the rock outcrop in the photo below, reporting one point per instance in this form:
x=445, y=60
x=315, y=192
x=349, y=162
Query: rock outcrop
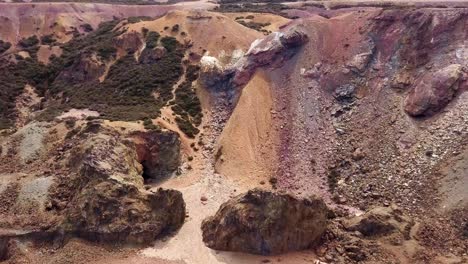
x=380, y=221
x=261, y=222
x=158, y=152
x=130, y=42
x=212, y=73
x=353, y=239
x=87, y=68
x=272, y=50
x=104, y=199
x=433, y=91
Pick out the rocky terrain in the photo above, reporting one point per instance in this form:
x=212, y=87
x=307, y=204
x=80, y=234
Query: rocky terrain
x=300, y=132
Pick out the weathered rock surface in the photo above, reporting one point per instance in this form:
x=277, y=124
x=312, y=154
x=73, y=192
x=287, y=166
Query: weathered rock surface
x=272, y=50
x=380, y=221
x=130, y=42
x=104, y=199
x=353, y=239
x=261, y=222
x=158, y=152
x=294, y=37
x=433, y=91
x=88, y=68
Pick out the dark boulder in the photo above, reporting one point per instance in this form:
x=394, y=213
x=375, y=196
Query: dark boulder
x=266, y=223
x=433, y=91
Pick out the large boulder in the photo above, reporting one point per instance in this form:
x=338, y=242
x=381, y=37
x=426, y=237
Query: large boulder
x=112, y=212
x=433, y=91
x=103, y=198
x=272, y=50
x=266, y=223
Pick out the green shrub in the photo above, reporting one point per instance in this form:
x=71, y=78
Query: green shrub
x=170, y=43
x=29, y=42
x=106, y=52
x=148, y=124
x=187, y=104
x=254, y=25
x=70, y=123
x=144, y=31
x=48, y=39
x=4, y=46
x=152, y=39
x=87, y=27
x=127, y=93
x=133, y=20
x=187, y=127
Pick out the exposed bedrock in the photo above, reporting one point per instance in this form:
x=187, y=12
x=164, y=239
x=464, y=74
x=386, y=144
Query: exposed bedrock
x=104, y=199
x=272, y=50
x=380, y=221
x=266, y=223
x=434, y=90
x=130, y=42
x=87, y=68
x=158, y=152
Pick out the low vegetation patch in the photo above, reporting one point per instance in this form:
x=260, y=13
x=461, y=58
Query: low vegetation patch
x=132, y=90
x=187, y=105
x=29, y=42
x=152, y=38
x=87, y=27
x=48, y=39
x=4, y=46
x=273, y=7
x=255, y=25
